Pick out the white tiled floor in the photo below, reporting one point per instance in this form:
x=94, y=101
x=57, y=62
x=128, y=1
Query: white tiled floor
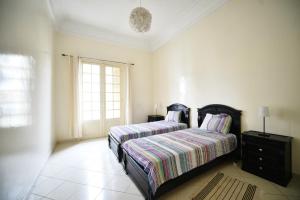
x=89, y=170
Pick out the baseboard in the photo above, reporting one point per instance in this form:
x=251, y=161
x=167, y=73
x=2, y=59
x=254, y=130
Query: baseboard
x=79, y=139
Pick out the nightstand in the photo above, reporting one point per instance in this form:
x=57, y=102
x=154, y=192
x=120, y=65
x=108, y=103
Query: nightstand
x=153, y=118
x=267, y=157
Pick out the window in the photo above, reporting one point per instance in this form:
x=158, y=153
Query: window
x=91, y=91
x=112, y=92
x=15, y=90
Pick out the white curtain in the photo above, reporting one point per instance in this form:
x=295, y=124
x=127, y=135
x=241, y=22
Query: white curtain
x=128, y=95
x=75, y=126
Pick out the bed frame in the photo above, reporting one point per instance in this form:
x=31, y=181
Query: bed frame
x=115, y=146
x=140, y=177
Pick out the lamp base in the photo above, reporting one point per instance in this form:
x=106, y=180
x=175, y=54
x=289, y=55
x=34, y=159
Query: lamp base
x=264, y=134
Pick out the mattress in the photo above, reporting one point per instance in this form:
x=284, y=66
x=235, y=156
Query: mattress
x=127, y=132
x=167, y=156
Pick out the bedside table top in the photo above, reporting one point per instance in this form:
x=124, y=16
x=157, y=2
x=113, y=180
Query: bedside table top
x=281, y=138
x=155, y=115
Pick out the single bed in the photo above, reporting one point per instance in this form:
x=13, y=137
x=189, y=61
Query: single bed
x=119, y=134
x=161, y=162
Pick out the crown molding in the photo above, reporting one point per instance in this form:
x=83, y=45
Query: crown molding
x=78, y=29
x=188, y=19
x=50, y=11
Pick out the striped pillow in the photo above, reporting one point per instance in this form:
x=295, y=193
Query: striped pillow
x=173, y=116
x=216, y=123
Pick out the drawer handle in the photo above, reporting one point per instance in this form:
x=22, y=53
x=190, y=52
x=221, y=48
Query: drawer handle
x=260, y=158
x=260, y=168
x=260, y=149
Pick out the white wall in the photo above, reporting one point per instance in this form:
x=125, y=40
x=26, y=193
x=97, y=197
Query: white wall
x=25, y=29
x=83, y=46
x=245, y=54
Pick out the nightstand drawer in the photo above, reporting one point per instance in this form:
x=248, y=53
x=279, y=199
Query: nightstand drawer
x=263, y=170
x=261, y=149
x=262, y=141
x=255, y=159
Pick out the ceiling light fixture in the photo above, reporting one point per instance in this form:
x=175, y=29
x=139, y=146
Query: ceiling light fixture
x=140, y=19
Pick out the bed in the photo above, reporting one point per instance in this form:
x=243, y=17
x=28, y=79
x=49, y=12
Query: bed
x=119, y=134
x=155, y=178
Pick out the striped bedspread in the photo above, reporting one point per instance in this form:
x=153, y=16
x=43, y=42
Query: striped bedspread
x=169, y=155
x=127, y=132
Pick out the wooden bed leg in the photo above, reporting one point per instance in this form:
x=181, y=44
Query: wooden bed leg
x=237, y=156
x=150, y=196
x=120, y=153
x=125, y=164
x=109, y=141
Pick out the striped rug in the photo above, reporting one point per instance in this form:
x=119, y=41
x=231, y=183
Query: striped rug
x=223, y=187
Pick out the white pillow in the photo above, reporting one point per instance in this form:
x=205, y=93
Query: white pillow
x=173, y=116
x=205, y=122
x=216, y=123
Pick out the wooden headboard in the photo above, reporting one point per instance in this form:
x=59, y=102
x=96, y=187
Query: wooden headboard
x=235, y=127
x=185, y=112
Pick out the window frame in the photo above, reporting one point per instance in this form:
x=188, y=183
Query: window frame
x=113, y=84
x=91, y=92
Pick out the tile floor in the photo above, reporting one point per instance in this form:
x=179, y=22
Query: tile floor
x=89, y=170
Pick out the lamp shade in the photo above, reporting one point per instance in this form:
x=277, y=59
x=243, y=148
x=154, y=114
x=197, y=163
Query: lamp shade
x=264, y=111
x=140, y=19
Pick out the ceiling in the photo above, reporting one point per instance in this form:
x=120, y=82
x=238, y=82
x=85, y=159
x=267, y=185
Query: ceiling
x=108, y=20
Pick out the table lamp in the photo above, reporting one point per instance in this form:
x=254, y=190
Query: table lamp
x=264, y=112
